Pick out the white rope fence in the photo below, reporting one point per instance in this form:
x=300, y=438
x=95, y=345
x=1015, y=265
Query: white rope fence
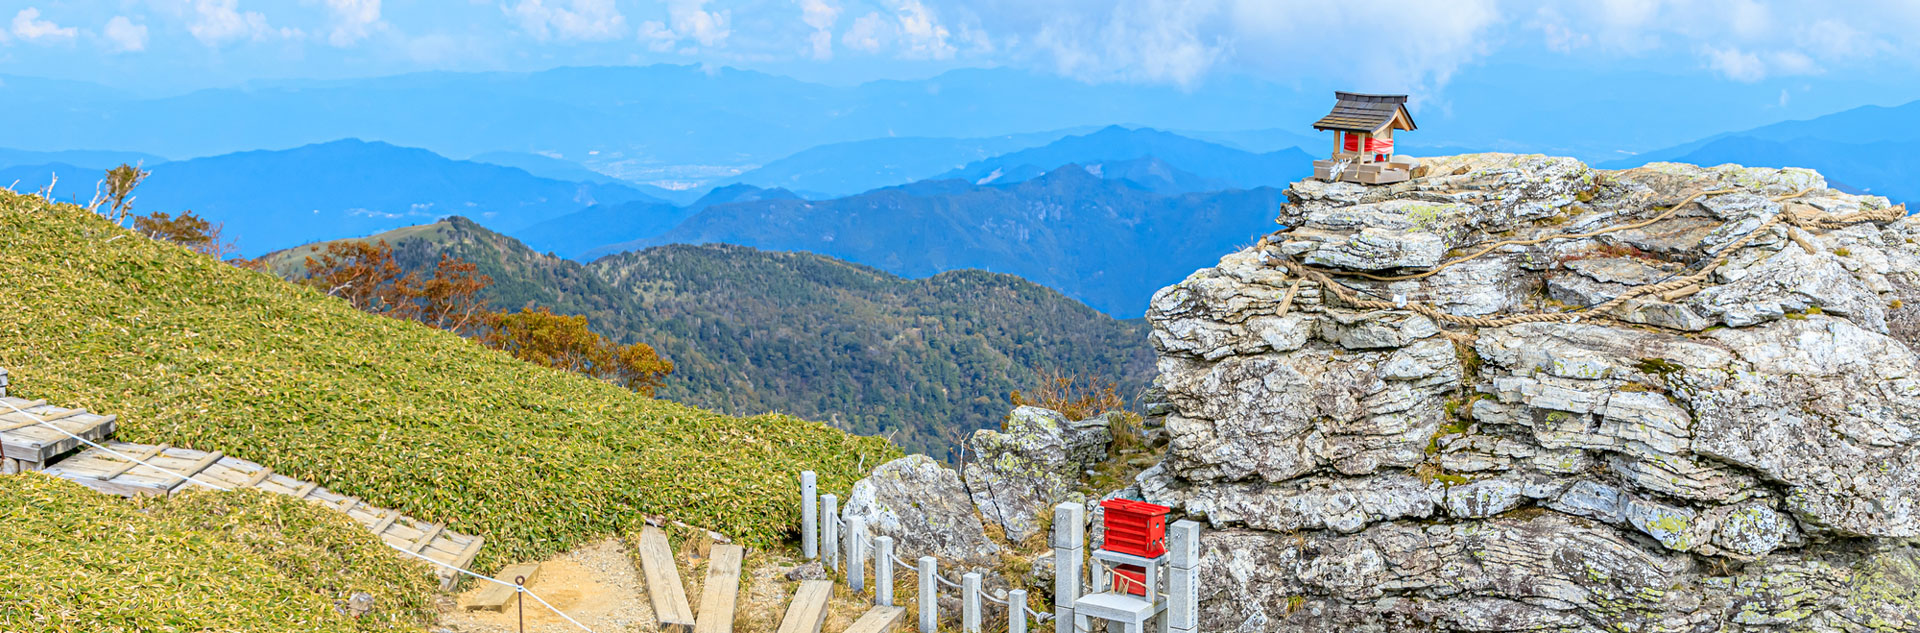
x=196, y=480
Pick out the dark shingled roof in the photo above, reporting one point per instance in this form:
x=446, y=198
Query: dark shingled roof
x=1355, y=112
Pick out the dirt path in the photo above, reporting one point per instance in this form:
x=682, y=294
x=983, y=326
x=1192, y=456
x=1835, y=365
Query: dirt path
x=596, y=584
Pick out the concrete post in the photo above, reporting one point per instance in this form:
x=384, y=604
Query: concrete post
x=929, y=595
x=1183, y=577
x=1017, y=611
x=883, y=571
x=970, y=602
x=857, y=554
x=1069, y=560
x=809, y=516
x=830, y=530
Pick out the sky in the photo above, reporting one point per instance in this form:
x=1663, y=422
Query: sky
x=171, y=46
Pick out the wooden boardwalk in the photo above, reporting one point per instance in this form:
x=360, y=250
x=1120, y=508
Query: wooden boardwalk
x=26, y=444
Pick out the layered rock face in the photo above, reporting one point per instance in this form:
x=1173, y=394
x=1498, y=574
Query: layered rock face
x=1742, y=454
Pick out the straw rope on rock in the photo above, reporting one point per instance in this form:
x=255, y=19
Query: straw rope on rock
x=1672, y=398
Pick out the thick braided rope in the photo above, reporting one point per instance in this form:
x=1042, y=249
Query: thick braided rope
x=1803, y=219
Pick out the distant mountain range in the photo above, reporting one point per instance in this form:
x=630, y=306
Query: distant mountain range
x=842, y=169
x=1109, y=243
x=1157, y=161
x=1872, y=148
x=756, y=331
x=270, y=200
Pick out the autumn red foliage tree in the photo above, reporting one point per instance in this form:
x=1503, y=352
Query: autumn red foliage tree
x=366, y=275
x=187, y=229
x=539, y=336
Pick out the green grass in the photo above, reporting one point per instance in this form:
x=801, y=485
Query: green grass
x=77, y=561
x=204, y=355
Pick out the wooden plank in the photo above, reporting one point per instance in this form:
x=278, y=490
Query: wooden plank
x=258, y=477
x=467, y=553
x=43, y=444
x=663, y=581
x=381, y=527
x=347, y=504
x=721, y=591
x=174, y=481
x=426, y=539
x=877, y=620
x=143, y=456
x=42, y=418
x=305, y=490
x=495, y=596
x=808, y=611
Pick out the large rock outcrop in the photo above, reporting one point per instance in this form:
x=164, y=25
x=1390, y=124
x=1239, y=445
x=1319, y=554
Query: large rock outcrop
x=1035, y=461
x=925, y=508
x=1740, y=455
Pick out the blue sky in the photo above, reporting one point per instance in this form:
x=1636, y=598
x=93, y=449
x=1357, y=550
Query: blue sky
x=1418, y=46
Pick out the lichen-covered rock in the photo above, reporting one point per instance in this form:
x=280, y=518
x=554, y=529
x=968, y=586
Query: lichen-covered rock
x=1020, y=472
x=1737, y=457
x=924, y=507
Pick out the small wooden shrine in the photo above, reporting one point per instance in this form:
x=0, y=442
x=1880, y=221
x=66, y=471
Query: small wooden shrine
x=1362, y=127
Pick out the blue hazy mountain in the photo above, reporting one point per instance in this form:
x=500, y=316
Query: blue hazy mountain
x=1870, y=148
x=573, y=234
x=562, y=169
x=842, y=169
x=1184, y=165
x=268, y=200
x=92, y=159
x=1108, y=243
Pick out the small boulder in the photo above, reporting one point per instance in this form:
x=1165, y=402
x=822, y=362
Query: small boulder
x=809, y=571
x=924, y=507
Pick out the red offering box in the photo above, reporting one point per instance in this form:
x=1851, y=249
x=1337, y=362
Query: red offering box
x=1136, y=527
x=1137, y=586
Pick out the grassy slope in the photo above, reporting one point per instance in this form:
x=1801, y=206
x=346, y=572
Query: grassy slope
x=204, y=355
x=77, y=560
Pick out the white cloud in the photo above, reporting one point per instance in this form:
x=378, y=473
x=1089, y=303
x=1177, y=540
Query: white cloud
x=123, y=36
x=218, y=22
x=687, y=20
x=587, y=20
x=28, y=26
x=911, y=29
x=1736, y=64
x=353, y=20
x=865, y=33
x=820, y=16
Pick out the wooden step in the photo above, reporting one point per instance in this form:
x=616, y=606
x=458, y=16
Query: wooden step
x=663, y=582
x=496, y=596
x=808, y=611
x=30, y=445
x=878, y=620
x=721, y=591
x=100, y=470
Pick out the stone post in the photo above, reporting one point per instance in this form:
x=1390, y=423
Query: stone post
x=1069, y=559
x=857, y=554
x=929, y=595
x=830, y=530
x=970, y=602
x=1183, y=579
x=809, y=516
x=883, y=571
x=1017, y=611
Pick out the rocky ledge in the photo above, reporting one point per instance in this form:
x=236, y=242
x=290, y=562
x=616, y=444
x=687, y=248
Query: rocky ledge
x=1739, y=455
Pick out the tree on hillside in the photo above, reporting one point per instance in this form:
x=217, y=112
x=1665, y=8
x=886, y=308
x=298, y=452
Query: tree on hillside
x=539, y=336
x=366, y=275
x=189, y=230
x=116, y=192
